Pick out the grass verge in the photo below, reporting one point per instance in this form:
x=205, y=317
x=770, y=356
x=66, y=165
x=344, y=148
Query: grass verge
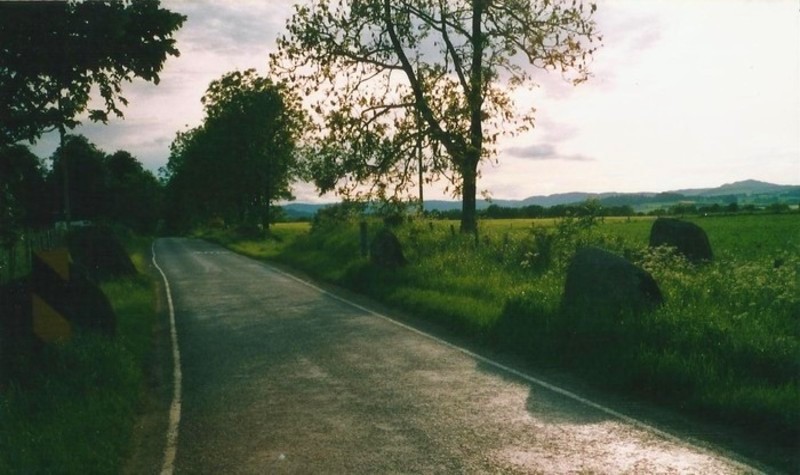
x=70, y=408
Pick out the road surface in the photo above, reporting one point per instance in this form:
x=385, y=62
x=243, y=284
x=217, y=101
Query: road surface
x=281, y=377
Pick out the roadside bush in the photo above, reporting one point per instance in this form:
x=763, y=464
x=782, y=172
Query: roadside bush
x=531, y=325
x=331, y=218
x=249, y=231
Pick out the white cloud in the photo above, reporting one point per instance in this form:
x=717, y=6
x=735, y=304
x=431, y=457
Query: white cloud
x=543, y=152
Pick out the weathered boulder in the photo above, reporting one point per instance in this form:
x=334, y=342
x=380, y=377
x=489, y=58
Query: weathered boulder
x=602, y=283
x=386, y=251
x=688, y=238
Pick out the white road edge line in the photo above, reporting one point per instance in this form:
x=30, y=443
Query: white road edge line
x=171, y=448
x=746, y=468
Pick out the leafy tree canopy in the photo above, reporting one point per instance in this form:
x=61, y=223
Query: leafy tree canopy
x=22, y=186
x=242, y=158
x=85, y=164
x=114, y=188
x=52, y=55
x=392, y=76
x=134, y=193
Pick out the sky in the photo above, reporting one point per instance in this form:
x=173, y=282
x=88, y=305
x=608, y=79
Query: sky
x=683, y=94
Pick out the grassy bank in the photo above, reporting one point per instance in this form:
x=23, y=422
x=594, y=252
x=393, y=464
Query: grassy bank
x=70, y=408
x=725, y=346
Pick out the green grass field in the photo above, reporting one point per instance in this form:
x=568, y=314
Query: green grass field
x=725, y=346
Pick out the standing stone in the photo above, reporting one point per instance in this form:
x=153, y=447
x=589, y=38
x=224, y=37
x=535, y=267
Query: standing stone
x=688, y=238
x=386, y=251
x=601, y=283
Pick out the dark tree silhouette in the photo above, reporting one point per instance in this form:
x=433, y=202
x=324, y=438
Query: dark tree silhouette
x=54, y=54
x=22, y=192
x=242, y=158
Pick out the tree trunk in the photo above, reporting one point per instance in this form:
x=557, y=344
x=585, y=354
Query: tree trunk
x=469, y=189
x=62, y=133
x=469, y=167
x=265, y=208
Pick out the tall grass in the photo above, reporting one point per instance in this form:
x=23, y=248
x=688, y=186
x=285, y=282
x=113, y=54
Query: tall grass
x=71, y=407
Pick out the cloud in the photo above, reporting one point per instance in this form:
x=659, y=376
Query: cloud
x=544, y=152
x=231, y=27
x=555, y=131
x=630, y=31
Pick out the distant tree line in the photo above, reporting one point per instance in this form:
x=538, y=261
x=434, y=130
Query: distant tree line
x=112, y=188
x=717, y=208
x=535, y=211
x=598, y=209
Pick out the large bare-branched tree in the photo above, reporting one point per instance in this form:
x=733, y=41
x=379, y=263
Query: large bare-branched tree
x=392, y=77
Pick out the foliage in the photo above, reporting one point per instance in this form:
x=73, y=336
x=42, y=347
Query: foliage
x=83, y=162
x=10, y=229
x=558, y=211
x=55, y=54
x=54, y=429
x=396, y=77
x=22, y=188
x=242, y=158
x=330, y=218
x=113, y=188
x=134, y=195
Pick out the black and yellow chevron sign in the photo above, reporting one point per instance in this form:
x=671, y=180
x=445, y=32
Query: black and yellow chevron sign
x=50, y=294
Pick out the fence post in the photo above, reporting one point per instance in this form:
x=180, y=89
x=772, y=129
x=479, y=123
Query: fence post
x=362, y=226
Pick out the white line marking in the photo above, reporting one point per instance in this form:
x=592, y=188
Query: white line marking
x=171, y=449
x=637, y=423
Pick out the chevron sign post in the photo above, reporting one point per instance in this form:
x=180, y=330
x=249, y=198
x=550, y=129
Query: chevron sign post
x=50, y=292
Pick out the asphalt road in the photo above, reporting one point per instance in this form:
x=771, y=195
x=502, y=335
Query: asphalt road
x=280, y=377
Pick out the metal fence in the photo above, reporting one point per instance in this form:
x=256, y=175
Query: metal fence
x=16, y=261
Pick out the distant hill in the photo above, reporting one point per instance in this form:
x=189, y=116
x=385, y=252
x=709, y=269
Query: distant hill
x=301, y=210
x=746, y=187
x=742, y=192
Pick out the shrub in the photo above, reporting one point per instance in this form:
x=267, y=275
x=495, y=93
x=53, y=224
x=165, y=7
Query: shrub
x=331, y=218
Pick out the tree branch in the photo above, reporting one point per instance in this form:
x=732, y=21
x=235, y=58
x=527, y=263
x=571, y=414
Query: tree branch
x=446, y=139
